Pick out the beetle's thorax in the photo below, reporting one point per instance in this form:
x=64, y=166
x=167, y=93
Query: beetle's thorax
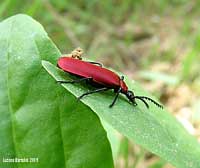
x=123, y=86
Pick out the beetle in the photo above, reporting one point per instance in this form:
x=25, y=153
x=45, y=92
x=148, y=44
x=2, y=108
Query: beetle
x=104, y=79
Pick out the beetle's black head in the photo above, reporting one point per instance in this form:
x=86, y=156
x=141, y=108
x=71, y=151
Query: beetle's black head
x=130, y=95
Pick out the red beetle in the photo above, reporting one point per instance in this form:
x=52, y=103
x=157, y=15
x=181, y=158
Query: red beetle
x=103, y=78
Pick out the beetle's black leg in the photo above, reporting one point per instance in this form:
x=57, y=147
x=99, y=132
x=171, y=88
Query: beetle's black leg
x=75, y=81
x=93, y=91
x=96, y=63
x=117, y=94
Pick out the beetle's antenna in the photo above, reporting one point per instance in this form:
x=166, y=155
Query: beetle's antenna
x=146, y=104
x=151, y=100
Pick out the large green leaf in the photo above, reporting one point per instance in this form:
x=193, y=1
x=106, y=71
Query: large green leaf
x=38, y=118
x=153, y=128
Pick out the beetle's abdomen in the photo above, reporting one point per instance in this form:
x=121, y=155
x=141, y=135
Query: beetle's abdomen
x=81, y=68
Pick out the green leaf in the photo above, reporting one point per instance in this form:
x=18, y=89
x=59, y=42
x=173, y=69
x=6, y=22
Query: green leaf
x=154, y=128
x=113, y=137
x=38, y=118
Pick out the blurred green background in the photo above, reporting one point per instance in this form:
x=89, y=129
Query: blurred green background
x=154, y=42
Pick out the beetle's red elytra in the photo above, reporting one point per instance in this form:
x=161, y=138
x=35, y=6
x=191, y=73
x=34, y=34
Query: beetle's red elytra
x=104, y=79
